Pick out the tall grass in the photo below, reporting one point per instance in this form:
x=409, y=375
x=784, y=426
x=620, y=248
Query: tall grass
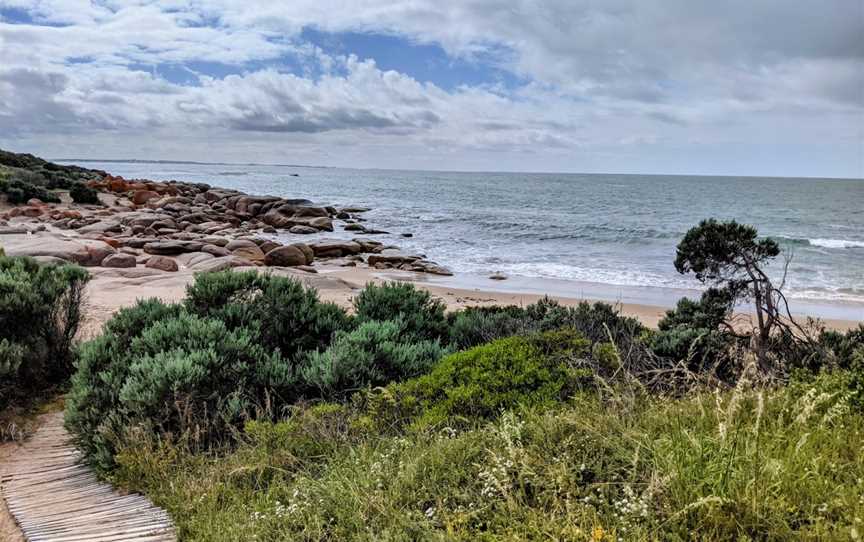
x=753, y=463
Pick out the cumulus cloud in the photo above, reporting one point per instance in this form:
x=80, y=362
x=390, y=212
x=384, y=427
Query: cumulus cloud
x=593, y=78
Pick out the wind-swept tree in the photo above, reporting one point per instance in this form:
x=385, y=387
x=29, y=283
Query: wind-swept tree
x=731, y=258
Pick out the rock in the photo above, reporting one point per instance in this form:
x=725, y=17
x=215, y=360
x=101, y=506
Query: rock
x=35, y=201
x=241, y=243
x=85, y=252
x=268, y=245
x=407, y=234
x=322, y=223
x=218, y=241
x=220, y=264
x=287, y=256
x=302, y=230
x=252, y=253
x=392, y=257
x=307, y=268
x=498, y=276
x=103, y=226
x=354, y=209
x=121, y=260
x=369, y=245
x=216, y=250
x=71, y=213
x=354, y=227
x=31, y=212
x=306, y=250
x=143, y=196
x=190, y=259
x=172, y=248
x=162, y=263
x=334, y=248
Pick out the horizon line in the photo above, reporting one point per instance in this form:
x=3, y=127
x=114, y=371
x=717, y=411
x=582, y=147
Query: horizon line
x=200, y=163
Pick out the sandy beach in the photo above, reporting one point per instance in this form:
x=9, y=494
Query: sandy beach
x=112, y=289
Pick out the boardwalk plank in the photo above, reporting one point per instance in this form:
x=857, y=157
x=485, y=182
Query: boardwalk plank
x=55, y=498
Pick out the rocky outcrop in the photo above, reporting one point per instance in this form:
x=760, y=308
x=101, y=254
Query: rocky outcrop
x=200, y=227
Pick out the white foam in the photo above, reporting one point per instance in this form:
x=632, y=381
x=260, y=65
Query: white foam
x=836, y=243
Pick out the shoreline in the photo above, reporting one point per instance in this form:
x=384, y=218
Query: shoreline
x=149, y=238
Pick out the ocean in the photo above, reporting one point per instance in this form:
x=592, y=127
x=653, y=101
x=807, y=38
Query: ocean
x=611, y=230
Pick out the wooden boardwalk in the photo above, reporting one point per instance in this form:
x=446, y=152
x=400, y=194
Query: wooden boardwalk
x=55, y=498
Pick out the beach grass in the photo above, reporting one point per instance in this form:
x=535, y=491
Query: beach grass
x=751, y=463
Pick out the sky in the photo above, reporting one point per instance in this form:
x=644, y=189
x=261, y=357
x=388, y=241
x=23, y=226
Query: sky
x=740, y=87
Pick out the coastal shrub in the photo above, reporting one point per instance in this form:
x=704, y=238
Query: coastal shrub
x=421, y=314
x=842, y=346
x=694, y=332
x=178, y=374
x=534, y=370
x=473, y=326
x=18, y=191
x=103, y=367
x=40, y=311
x=193, y=374
x=598, y=322
x=281, y=310
x=81, y=193
x=374, y=354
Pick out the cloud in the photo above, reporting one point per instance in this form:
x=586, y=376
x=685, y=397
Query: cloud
x=588, y=77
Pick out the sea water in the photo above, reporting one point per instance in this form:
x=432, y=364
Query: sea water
x=614, y=230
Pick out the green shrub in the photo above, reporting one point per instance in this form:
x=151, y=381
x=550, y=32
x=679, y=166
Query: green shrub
x=192, y=373
x=93, y=407
x=422, y=315
x=473, y=326
x=534, y=370
x=40, y=311
x=81, y=193
x=374, y=354
x=285, y=314
x=694, y=332
x=18, y=191
x=232, y=352
x=598, y=322
x=842, y=346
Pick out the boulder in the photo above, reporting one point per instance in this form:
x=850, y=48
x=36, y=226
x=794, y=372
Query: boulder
x=220, y=264
x=120, y=260
x=172, y=248
x=334, y=248
x=393, y=257
x=81, y=251
x=302, y=230
x=306, y=250
x=268, y=245
x=287, y=256
x=252, y=253
x=216, y=250
x=240, y=243
x=162, y=263
x=141, y=197
x=322, y=223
